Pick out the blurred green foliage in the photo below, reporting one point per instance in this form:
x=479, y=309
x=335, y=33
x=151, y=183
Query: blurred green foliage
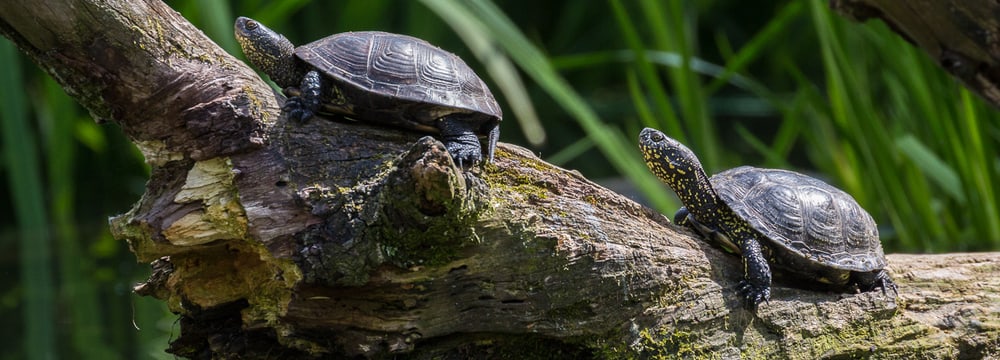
x=775, y=84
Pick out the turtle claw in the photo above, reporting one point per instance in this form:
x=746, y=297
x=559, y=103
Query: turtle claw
x=880, y=279
x=461, y=141
x=464, y=154
x=890, y=285
x=753, y=295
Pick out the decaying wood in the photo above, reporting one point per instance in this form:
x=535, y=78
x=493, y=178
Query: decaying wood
x=330, y=239
x=964, y=36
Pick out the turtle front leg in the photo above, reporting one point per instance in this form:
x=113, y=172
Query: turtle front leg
x=304, y=101
x=681, y=217
x=756, y=284
x=460, y=139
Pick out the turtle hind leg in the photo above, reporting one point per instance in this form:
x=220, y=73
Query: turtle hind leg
x=459, y=136
x=304, y=102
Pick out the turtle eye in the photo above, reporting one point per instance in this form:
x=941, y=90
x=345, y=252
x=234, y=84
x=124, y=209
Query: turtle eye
x=657, y=137
x=251, y=25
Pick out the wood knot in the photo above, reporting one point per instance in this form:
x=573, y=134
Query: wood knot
x=428, y=171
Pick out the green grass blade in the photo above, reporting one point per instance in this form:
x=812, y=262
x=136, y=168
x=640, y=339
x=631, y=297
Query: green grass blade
x=570, y=152
x=642, y=109
x=982, y=178
x=932, y=166
x=755, y=47
x=24, y=177
x=274, y=12
x=661, y=58
x=770, y=153
x=476, y=36
x=648, y=75
x=904, y=137
x=58, y=116
x=673, y=29
x=621, y=153
x=217, y=20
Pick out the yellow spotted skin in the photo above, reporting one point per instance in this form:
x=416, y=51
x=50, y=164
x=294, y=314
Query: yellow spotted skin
x=678, y=167
x=269, y=52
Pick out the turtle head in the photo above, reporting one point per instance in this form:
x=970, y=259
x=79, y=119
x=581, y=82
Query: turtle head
x=678, y=167
x=267, y=50
x=668, y=159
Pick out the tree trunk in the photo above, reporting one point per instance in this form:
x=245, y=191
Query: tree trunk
x=273, y=239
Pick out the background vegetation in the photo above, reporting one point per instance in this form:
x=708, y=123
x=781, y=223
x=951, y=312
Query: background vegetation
x=774, y=84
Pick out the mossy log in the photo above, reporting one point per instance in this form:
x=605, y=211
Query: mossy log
x=961, y=35
x=330, y=239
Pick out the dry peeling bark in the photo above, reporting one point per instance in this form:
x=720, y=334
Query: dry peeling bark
x=330, y=239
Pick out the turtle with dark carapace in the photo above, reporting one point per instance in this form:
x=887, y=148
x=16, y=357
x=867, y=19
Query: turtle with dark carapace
x=794, y=222
x=382, y=78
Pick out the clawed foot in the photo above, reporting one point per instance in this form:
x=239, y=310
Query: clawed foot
x=881, y=280
x=753, y=295
x=465, y=155
x=297, y=110
x=887, y=284
x=459, y=136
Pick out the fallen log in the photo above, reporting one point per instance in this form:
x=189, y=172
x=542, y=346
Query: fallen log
x=331, y=239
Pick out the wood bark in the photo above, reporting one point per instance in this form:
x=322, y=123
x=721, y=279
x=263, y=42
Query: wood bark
x=963, y=36
x=329, y=239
